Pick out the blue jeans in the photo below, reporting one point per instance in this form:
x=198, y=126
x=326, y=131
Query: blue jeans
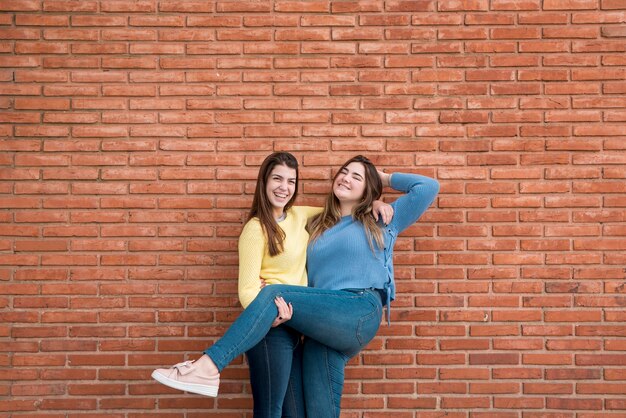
x=323, y=372
x=343, y=320
x=276, y=380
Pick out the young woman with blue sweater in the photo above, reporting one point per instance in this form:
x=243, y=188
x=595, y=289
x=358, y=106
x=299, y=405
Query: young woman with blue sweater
x=350, y=274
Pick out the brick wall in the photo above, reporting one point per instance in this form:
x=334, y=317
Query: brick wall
x=131, y=134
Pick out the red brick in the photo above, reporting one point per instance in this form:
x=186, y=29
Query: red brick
x=495, y=388
x=570, y=5
x=526, y=232
x=574, y=404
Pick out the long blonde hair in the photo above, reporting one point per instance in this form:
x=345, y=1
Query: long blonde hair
x=361, y=212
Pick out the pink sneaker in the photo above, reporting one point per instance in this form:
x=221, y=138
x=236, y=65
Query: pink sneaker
x=184, y=376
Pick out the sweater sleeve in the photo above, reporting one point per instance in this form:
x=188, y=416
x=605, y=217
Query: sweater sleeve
x=310, y=211
x=251, y=251
x=420, y=193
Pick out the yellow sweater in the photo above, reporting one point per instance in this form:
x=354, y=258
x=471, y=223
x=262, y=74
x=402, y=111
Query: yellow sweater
x=288, y=267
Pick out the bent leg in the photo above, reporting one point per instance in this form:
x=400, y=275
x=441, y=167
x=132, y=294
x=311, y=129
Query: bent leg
x=323, y=375
x=343, y=320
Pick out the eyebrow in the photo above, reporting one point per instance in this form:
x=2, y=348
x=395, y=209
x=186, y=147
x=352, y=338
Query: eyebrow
x=280, y=177
x=357, y=175
x=353, y=173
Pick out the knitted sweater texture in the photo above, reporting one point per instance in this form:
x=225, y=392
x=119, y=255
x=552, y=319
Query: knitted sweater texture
x=288, y=267
x=341, y=258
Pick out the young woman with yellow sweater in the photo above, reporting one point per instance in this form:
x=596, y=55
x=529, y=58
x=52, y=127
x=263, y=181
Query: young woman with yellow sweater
x=349, y=261
x=272, y=246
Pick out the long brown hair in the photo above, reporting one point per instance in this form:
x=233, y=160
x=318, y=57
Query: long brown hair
x=261, y=206
x=361, y=212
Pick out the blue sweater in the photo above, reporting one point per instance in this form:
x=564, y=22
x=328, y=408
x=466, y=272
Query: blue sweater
x=341, y=258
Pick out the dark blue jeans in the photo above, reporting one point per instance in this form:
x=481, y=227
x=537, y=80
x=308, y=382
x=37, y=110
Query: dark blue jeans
x=323, y=374
x=342, y=320
x=276, y=380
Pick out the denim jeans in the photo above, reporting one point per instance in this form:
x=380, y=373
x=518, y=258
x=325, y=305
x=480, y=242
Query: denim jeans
x=323, y=374
x=343, y=320
x=276, y=380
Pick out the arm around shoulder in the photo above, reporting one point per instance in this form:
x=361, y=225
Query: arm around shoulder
x=308, y=211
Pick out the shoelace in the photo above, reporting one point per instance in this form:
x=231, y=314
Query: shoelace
x=183, y=364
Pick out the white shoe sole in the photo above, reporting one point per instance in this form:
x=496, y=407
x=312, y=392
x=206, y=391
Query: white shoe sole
x=196, y=388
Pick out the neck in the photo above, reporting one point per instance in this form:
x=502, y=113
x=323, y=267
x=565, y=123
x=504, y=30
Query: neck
x=278, y=213
x=346, y=208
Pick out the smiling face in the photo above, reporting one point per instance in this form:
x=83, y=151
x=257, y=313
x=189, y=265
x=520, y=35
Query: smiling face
x=349, y=185
x=280, y=187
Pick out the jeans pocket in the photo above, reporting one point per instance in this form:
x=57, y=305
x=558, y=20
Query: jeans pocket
x=368, y=326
